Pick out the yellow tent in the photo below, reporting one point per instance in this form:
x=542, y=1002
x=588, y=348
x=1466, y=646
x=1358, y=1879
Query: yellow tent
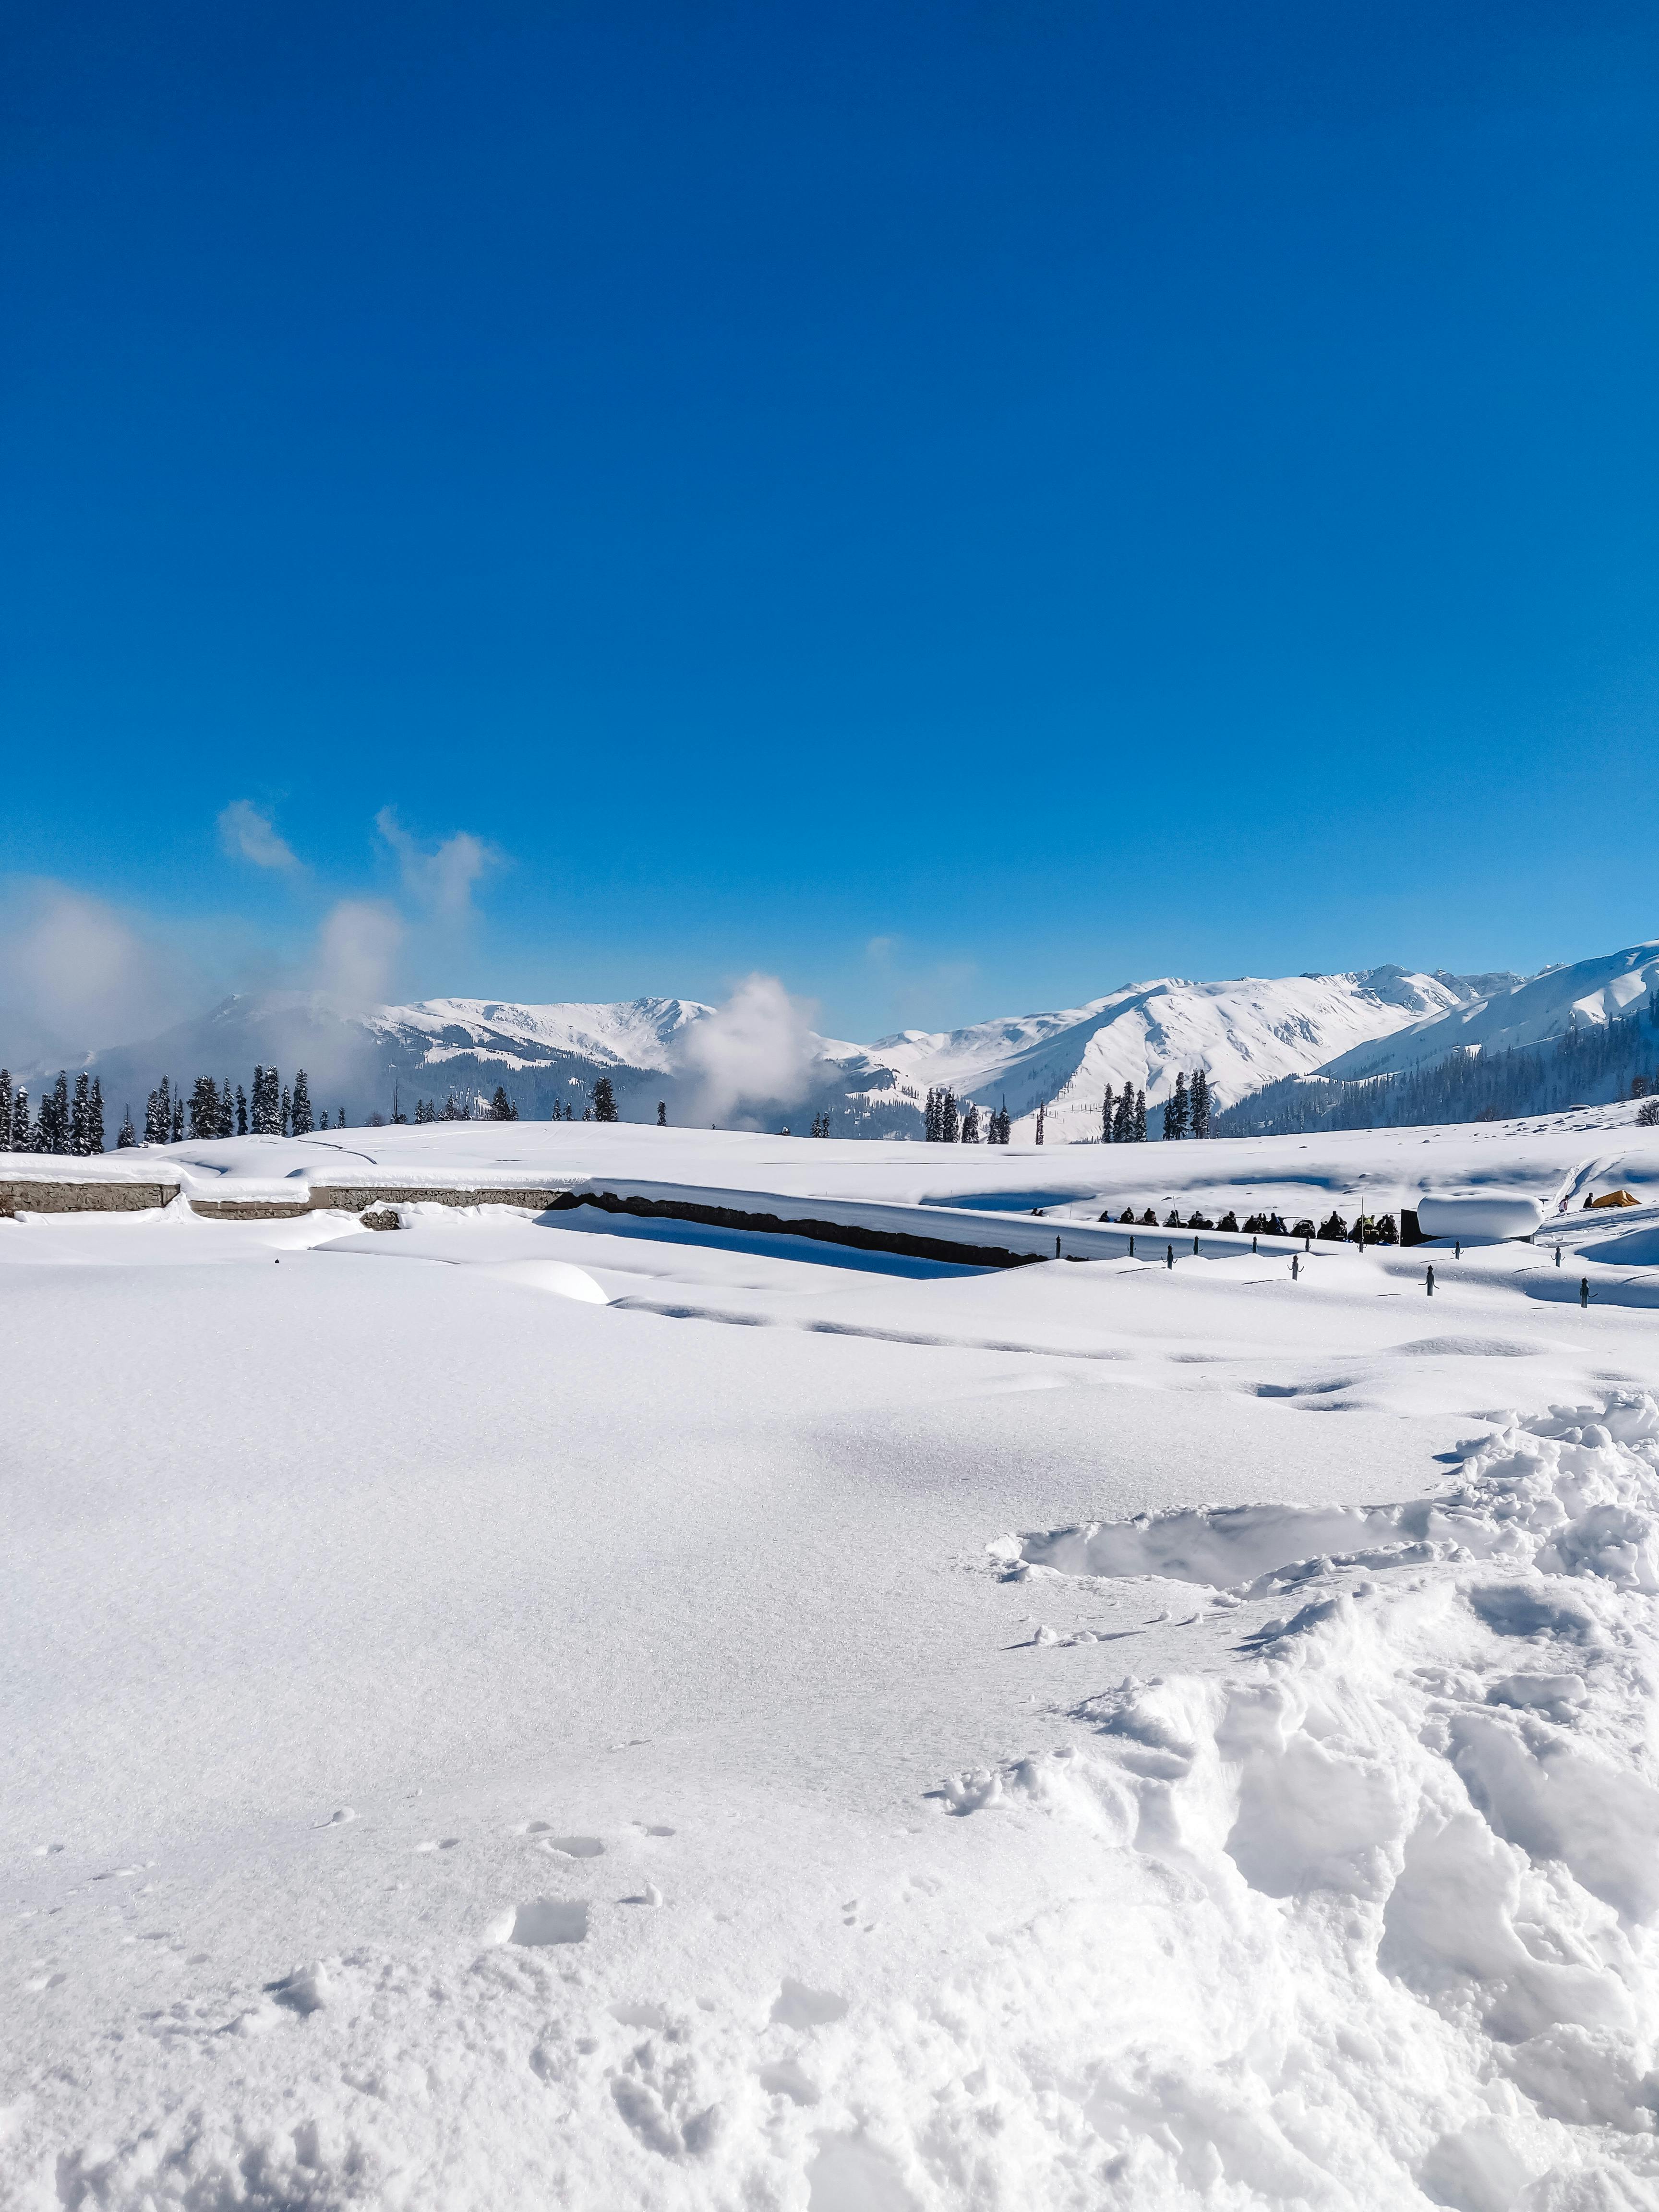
x=1617, y=1198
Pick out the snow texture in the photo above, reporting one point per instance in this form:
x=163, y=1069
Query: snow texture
x=566, y=1709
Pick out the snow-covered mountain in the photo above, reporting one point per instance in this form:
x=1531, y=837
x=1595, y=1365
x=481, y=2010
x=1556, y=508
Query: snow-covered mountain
x=1516, y=1014
x=1245, y=1032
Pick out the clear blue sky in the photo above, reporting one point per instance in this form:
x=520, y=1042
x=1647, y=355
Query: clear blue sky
x=1068, y=492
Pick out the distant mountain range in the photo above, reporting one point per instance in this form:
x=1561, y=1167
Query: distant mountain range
x=1247, y=1033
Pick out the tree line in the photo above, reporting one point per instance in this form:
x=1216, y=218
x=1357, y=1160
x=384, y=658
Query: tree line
x=1367, y=1229
x=1470, y=1085
x=69, y=1121
x=947, y=1120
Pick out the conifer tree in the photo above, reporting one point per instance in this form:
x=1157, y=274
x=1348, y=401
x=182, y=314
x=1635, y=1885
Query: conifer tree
x=1042, y=1111
x=23, y=1138
x=241, y=1111
x=1123, y=1118
x=80, y=1117
x=178, y=1116
x=604, y=1101
x=1138, y=1126
x=95, y=1117
x=969, y=1124
x=949, y=1124
x=662, y=1114
x=60, y=1125
x=302, y=1115
x=930, y=1117
x=284, y=1125
x=1106, y=1117
x=501, y=1108
x=128, y=1136
x=5, y=1110
x=227, y=1110
x=1176, y=1108
x=203, y=1108
x=1201, y=1102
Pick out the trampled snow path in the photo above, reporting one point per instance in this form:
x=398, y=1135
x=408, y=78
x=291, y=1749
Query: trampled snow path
x=1415, y=1834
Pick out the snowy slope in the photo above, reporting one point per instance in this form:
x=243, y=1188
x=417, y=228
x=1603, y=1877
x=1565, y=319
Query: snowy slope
x=1590, y=992
x=514, y=1713
x=1245, y=1032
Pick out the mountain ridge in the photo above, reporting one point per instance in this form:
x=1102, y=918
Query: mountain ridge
x=1243, y=1030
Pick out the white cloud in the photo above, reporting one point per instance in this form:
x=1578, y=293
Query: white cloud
x=78, y=973
x=442, y=879
x=357, y=950
x=755, y=1050
x=247, y=835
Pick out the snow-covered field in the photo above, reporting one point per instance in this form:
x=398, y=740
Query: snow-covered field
x=585, y=1713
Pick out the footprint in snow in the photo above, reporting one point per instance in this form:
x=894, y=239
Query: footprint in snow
x=439, y=1844
x=541, y=1921
x=573, y=1847
x=798, y=2006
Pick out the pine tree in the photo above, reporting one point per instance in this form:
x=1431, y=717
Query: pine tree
x=1123, y=1118
x=178, y=1116
x=227, y=1110
x=95, y=1117
x=241, y=1111
x=930, y=1118
x=23, y=1138
x=266, y=1119
x=58, y=1127
x=5, y=1110
x=302, y=1122
x=203, y=1108
x=1176, y=1108
x=128, y=1136
x=969, y=1124
x=662, y=1114
x=604, y=1101
x=1201, y=1102
x=949, y=1124
x=80, y=1117
x=1106, y=1117
x=501, y=1107
x=1042, y=1112
x=283, y=1125
x=1138, y=1126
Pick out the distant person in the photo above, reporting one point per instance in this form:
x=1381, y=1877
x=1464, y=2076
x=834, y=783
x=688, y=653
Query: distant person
x=1431, y=1281
x=1583, y=1291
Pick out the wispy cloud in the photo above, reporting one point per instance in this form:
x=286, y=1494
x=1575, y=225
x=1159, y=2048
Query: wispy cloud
x=247, y=835
x=442, y=878
x=78, y=973
x=357, y=950
x=755, y=1050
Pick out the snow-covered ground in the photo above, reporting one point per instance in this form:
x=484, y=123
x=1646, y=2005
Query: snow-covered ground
x=581, y=1712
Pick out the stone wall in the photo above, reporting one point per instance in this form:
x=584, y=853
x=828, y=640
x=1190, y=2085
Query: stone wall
x=19, y=1194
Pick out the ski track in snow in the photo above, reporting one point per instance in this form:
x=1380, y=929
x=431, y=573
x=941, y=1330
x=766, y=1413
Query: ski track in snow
x=478, y=1747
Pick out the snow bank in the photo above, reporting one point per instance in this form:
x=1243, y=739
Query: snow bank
x=1489, y=1215
x=1421, y=1817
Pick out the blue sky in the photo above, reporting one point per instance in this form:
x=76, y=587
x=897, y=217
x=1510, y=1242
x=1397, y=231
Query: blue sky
x=957, y=506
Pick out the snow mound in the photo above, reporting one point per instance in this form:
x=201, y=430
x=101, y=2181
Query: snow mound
x=1418, y=1820
x=1571, y=1493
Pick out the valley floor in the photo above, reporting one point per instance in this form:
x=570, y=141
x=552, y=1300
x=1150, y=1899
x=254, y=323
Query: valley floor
x=566, y=1712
